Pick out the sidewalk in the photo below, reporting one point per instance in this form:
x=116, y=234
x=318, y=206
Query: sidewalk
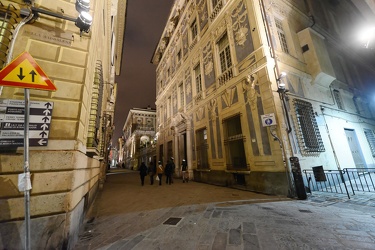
x=194, y=215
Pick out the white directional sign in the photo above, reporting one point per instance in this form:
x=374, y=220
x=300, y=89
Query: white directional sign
x=268, y=120
x=12, y=116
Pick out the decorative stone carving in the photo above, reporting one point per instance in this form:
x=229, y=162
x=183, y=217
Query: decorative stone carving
x=212, y=108
x=240, y=25
x=208, y=59
x=200, y=113
x=249, y=89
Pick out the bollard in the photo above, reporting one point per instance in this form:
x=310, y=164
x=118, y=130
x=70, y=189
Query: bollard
x=298, y=180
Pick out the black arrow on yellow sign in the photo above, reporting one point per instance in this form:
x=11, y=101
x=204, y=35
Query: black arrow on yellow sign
x=21, y=76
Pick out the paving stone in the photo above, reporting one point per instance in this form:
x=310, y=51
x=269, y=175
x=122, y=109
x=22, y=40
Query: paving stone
x=235, y=236
x=220, y=241
x=250, y=242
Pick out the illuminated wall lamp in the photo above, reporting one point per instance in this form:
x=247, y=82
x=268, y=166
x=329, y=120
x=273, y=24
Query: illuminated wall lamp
x=83, y=21
x=83, y=5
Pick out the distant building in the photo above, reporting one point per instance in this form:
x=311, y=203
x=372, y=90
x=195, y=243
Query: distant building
x=224, y=103
x=139, y=135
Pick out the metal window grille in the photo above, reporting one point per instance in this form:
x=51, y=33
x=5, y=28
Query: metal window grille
x=308, y=134
x=234, y=144
x=338, y=99
x=281, y=35
x=371, y=140
x=93, y=138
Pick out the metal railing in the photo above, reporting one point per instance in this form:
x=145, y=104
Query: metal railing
x=343, y=181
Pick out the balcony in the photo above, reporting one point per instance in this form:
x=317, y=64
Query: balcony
x=216, y=10
x=226, y=76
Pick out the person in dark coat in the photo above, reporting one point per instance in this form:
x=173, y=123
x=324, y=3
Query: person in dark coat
x=173, y=169
x=168, y=172
x=143, y=172
x=151, y=172
x=184, y=170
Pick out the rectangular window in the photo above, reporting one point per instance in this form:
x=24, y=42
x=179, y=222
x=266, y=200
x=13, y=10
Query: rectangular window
x=198, y=78
x=169, y=107
x=182, y=95
x=371, y=140
x=338, y=99
x=281, y=35
x=194, y=30
x=224, y=54
x=234, y=143
x=202, y=149
x=179, y=56
x=307, y=129
x=215, y=3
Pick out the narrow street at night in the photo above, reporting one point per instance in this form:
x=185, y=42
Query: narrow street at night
x=126, y=215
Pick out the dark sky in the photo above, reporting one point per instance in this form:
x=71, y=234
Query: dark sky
x=145, y=23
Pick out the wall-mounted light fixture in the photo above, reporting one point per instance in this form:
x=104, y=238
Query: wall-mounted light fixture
x=83, y=21
x=83, y=5
x=280, y=83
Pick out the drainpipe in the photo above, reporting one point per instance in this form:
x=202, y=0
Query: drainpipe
x=291, y=191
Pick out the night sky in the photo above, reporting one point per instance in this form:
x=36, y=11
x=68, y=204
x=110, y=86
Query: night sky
x=145, y=23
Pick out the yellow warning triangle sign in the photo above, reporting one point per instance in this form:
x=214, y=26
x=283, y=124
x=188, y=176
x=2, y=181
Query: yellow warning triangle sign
x=24, y=72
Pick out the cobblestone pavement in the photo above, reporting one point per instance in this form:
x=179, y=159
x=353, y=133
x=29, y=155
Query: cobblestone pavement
x=194, y=215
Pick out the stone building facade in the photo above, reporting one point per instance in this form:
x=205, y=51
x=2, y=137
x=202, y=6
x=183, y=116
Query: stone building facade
x=244, y=87
x=67, y=172
x=140, y=137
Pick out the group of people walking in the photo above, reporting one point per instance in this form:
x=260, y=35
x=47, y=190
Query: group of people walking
x=159, y=170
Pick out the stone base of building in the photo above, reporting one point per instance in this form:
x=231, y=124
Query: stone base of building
x=58, y=231
x=274, y=183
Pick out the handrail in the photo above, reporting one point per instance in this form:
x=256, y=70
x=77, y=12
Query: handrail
x=334, y=181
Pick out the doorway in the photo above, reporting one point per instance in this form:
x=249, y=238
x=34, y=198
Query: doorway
x=355, y=149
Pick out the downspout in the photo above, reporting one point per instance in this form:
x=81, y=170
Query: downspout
x=282, y=97
x=11, y=46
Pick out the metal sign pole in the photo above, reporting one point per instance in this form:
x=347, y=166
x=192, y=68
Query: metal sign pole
x=27, y=169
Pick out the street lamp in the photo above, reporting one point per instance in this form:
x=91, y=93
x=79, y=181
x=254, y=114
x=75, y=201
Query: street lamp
x=367, y=35
x=83, y=21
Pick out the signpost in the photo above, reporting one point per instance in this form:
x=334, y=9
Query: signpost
x=24, y=72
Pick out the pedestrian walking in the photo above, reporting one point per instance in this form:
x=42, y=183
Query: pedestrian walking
x=185, y=173
x=173, y=168
x=159, y=171
x=151, y=172
x=168, y=172
x=143, y=172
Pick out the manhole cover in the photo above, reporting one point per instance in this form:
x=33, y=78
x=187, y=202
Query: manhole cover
x=305, y=211
x=172, y=221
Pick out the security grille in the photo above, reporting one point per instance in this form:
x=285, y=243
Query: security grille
x=308, y=134
x=338, y=99
x=371, y=140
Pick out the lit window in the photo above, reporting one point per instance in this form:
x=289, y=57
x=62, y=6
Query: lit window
x=202, y=149
x=307, y=129
x=234, y=143
x=281, y=35
x=198, y=78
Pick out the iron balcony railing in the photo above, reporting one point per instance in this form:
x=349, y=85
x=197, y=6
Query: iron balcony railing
x=348, y=180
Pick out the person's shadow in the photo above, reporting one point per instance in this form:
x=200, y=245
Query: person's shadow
x=10, y=231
